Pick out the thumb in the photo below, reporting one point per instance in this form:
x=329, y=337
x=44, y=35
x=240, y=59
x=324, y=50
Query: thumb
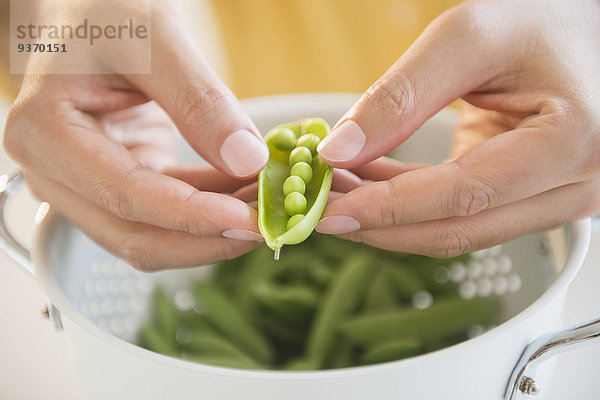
x=447, y=61
x=202, y=107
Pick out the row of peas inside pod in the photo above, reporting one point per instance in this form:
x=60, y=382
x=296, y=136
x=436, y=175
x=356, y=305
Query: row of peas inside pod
x=294, y=186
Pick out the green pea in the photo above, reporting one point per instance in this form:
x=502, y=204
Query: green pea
x=294, y=184
x=309, y=141
x=281, y=138
x=295, y=203
x=293, y=221
x=303, y=170
x=300, y=154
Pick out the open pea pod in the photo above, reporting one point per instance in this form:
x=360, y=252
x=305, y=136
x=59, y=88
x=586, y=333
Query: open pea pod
x=294, y=186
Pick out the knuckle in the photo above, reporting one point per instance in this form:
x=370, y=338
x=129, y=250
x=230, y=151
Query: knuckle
x=198, y=103
x=470, y=196
x=558, y=112
x=395, y=95
x=469, y=199
x=188, y=222
x=133, y=253
x=471, y=22
x=117, y=197
x=388, y=215
x=451, y=242
x=590, y=199
x=226, y=250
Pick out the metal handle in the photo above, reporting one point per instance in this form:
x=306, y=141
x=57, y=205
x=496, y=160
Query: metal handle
x=547, y=346
x=9, y=185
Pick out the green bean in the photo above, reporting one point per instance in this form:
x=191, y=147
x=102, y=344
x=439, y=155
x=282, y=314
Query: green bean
x=152, y=339
x=165, y=313
x=340, y=356
x=394, y=349
x=328, y=303
x=194, y=321
x=209, y=343
x=259, y=266
x=287, y=301
x=319, y=272
x=278, y=330
x=335, y=249
x=380, y=295
x=225, y=276
x=301, y=364
x=445, y=342
x=405, y=280
x=340, y=298
x=223, y=314
x=442, y=319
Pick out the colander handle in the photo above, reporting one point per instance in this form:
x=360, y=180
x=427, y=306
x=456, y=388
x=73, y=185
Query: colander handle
x=9, y=185
x=547, y=346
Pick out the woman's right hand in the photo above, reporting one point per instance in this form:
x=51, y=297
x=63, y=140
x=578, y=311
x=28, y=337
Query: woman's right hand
x=99, y=147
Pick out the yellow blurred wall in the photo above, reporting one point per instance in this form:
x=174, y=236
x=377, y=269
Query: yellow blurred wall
x=277, y=46
x=284, y=46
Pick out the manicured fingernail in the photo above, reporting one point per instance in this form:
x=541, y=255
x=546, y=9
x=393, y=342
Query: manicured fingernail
x=343, y=143
x=337, y=224
x=244, y=153
x=242, y=234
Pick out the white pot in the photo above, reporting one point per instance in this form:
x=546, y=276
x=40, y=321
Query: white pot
x=97, y=295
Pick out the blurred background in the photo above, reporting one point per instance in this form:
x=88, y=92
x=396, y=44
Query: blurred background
x=258, y=47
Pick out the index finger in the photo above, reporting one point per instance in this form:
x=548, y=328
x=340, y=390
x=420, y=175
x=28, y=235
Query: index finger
x=104, y=173
x=499, y=171
x=203, y=108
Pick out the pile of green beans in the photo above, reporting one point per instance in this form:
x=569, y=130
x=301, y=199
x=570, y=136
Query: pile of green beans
x=328, y=303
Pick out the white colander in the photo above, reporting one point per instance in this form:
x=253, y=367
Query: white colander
x=100, y=302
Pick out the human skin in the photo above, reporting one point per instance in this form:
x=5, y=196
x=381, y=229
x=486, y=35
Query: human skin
x=99, y=147
x=527, y=152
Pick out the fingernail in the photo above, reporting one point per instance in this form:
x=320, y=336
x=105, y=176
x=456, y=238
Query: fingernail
x=343, y=143
x=337, y=224
x=242, y=234
x=244, y=153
